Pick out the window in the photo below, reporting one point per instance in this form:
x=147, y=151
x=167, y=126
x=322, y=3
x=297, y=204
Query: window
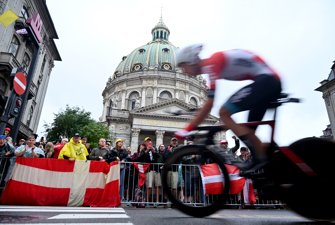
x=166, y=50
x=14, y=46
x=3, y=86
x=30, y=116
x=24, y=13
x=26, y=62
x=141, y=51
x=166, y=66
x=193, y=101
x=137, y=66
x=165, y=95
x=132, y=99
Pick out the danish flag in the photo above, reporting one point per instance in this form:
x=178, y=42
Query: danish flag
x=141, y=169
x=213, y=182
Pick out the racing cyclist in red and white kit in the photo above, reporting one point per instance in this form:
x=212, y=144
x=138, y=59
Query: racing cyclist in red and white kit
x=235, y=65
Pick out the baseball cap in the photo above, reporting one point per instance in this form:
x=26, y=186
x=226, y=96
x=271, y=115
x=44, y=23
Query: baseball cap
x=7, y=128
x=76, y=134
x=83, y=137
x=22, y=140
x=118, y=140
x=147, y=138
x=3, y=137
x=223, y=142
x=174, y=138
x=243, y=149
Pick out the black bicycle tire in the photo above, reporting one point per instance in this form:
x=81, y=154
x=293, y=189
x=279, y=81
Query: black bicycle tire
x=195, y=211
x=319, y=206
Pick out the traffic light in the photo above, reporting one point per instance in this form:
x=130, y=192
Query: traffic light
x=3, y=101
x=15, y=110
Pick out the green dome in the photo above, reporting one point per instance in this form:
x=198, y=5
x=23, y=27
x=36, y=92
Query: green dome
x=158, y=53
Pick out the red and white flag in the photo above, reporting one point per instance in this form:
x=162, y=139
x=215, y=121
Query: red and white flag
x=141, y=168
x=249, y=192
x=55, y=182
x=213, y=179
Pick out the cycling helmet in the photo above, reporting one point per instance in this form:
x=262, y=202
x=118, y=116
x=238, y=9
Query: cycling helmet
x=189, y=54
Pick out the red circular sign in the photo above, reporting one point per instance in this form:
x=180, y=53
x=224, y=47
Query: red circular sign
x=20, y=83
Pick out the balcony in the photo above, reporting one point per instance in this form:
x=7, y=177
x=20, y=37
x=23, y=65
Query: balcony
x=117, y=113
x=8, y=62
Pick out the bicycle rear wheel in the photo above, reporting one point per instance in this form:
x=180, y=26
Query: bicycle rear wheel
x=313, y=198
x=187, y=161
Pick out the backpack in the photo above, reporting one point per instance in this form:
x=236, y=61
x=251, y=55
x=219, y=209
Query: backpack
x=139, y=197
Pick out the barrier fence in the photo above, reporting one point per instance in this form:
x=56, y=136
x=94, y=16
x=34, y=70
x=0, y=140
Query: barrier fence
x=184, y=180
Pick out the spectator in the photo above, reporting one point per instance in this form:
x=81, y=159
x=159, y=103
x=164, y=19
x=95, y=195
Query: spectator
x=190, y=175
x=245, y=155
x=74, y=150
x=108, y=144
x=7, y=133
x=49, y=149
x=42, y=141
x=88, y=147
x=6, y=149
x=59, y=147
x=21, y=142
x=29, y=150
x=127, y=172
x=160, y=153
x=224, y=150
x=41, y=147
x=100, y=153
x=136, y=156
x=83, y=140
x=149, y=155
x=173, y=174
x=119, y=153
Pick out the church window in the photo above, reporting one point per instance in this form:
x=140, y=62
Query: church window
x=137, y=66
x=124, y=57
x=141, y=51
x=194, y=102
x=166, y=50
x=166, y=66
x=164, y=96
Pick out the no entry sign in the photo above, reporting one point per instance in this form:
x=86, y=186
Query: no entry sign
x=20, y=83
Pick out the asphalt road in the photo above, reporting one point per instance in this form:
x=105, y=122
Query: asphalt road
x=130, y=215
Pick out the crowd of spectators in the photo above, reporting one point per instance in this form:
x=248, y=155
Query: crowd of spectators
x=184, y=180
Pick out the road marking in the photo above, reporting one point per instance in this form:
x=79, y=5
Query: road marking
x=254, y=216
x=75, y=223
x=88, y=216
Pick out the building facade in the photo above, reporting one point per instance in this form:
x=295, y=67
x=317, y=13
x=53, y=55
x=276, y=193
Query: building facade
x=15, y=52
x=145, y=88
x=328, y=94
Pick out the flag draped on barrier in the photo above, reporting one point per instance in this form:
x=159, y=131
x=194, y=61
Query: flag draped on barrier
x=213, y=182
x=141, y=169
x=54, y=182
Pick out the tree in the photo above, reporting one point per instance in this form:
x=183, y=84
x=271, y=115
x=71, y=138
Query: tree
x=75, y=120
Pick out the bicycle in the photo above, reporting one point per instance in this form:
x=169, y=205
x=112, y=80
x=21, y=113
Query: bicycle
x=293, y=175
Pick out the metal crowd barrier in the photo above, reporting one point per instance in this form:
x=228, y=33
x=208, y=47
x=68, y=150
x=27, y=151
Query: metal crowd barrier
x=189, y=189
x=185, y=183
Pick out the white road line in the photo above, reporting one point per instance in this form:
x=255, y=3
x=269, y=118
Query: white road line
x=88, y=216
x=75, y=223
x=64, y=210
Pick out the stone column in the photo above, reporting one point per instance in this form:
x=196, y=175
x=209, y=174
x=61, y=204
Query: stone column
x=159, y=137
x=134, y=139
x=154, y=98
x=143, y=97
x=123, y=102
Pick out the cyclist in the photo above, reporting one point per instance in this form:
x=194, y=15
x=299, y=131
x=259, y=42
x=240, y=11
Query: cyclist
x=236, y=65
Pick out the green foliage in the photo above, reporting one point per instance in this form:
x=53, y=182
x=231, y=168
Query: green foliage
x=75, y=120
x=94, y=131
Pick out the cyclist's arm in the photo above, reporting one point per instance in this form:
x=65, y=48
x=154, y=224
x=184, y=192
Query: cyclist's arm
x=206, y=109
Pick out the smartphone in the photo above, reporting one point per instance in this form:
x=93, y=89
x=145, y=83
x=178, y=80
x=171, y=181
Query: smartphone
x=150, y=144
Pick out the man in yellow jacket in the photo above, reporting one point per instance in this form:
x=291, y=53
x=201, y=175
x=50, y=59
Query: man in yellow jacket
x=74, y=150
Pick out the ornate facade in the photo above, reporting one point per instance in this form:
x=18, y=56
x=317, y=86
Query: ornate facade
x=16, y=53
x=328, y=94
x=145, y=87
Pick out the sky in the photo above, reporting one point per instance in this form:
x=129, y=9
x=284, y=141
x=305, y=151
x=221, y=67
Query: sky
x=295, y=37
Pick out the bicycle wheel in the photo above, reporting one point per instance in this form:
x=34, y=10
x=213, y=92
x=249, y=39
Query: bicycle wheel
x=189, y=162
x=313, y=197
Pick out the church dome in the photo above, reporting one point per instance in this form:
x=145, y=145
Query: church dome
x=158, y=53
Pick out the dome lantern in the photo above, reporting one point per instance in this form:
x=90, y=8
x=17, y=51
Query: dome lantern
x=160, y=32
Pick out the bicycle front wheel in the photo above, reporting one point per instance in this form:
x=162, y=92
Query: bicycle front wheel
x=197, y=192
